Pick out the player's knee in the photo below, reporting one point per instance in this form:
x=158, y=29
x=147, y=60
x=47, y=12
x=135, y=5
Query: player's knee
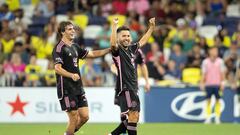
x=73, y=117
x=133, y=116
x=84, y=119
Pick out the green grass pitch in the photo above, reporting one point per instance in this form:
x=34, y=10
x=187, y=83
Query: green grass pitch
x=143, y=129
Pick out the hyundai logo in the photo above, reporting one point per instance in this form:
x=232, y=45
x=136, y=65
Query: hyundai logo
x=192, y=105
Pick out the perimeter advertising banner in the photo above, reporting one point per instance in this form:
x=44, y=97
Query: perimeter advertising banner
x=186, y=105
x=41, y=105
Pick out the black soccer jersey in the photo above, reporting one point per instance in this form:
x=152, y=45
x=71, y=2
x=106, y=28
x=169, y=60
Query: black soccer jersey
x=68, y=56
x=127, y=70
x=140, y=57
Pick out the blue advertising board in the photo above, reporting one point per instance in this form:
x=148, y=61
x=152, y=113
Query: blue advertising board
x=185, y=105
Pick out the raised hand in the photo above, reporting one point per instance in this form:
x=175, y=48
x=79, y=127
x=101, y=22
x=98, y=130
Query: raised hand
x=115, y=21
x=152, y=22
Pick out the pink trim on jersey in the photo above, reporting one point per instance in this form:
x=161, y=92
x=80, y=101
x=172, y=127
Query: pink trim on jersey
x=59, y=46
x=117, y=59
x=61, y=82
x=67, y=103
x=213, y=72
x=128, y=98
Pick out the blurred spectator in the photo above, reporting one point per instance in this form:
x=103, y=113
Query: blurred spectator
x=195, y=57
x=105, y=7
x=139, y=6
x=221, y=48
x=155, y=68
x=63, y=6
x=104, y=36
x=45, y=8
x=5, y=13
x=172, y=72
x=50, y=30
x=216, y=7
x=178, y=56
x=119, y=7
x=133, y=21
x=157, y=9
x=49, y=78
x=7, y=41
x=175, y=11
x=91, y=73
x=3, y=56
x=19, y=69
x=8, y=73
x=225, y=38
x=236, y=35
x=2, y=76
x=155, y=54
x=32, y=72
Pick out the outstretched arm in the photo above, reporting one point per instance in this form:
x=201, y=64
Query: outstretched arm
x=98, y=53
x=113, y=38
x=148, y=34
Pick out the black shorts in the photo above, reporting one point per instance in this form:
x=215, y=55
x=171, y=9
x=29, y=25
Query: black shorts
x=73, y=102
x=128, y=101
x=213, y=90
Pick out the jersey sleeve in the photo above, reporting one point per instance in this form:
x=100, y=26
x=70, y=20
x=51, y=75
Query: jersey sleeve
x=134, y=47
x=115, y=53
x=57, y=57
x=140, y=58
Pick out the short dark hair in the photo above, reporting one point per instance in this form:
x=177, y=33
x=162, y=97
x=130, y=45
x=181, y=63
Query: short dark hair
x=122, y=28
x=61, y=28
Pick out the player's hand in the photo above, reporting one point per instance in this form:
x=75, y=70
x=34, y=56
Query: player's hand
x=115, y=21
x=75, y=77
x=152, y=22
x=147, y=87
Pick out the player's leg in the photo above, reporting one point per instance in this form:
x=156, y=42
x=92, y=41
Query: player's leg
x=72, y=113
x=72, y=121
x=83, y=111
x=133, y=114
x=133, y=117
x=217, y=108
x=208, y=105
x=122, y=127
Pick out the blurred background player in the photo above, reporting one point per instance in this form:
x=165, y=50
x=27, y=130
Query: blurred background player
x=71, y=94
x=212, y=81
x=123, y=53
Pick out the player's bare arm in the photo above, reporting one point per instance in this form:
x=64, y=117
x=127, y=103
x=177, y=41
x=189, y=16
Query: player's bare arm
x=98, y=53
x=59, y=70
x=145, y=75
x=148, y=34
x=113, y=38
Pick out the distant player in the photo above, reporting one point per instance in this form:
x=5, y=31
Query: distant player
x=124, y=52
x=213, y=74
x=71, y=95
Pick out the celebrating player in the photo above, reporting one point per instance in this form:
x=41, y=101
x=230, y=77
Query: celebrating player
x=66, y=55
x=124, y=52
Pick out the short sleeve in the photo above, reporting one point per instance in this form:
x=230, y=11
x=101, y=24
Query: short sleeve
x=82, y=53
x=140, y=58
x=57, y=57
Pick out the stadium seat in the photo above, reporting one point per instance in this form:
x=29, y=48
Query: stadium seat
x=81, y=20
x=92, y=31
x=233, y=10
x=191, y=76
x=121, y=18
x=61, y=18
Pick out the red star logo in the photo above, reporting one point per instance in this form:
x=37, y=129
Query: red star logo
x=17, y=106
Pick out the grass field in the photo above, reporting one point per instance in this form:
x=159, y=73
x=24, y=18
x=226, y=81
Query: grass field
x=143, y=129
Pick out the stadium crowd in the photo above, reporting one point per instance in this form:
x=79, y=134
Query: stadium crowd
x=185, y=29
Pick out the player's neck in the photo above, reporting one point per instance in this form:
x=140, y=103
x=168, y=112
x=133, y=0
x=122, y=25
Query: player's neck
x=67, y=41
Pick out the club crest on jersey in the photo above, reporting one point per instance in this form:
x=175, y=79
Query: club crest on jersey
x=75, y=62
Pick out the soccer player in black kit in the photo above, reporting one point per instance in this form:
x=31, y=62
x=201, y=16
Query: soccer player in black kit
x=71, y=95
x=123, y=53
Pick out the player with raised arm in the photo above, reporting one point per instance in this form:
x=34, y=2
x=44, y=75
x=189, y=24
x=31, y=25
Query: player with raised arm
x=123, y=53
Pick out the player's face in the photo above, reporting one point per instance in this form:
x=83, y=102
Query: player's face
x=124, y=38
x=69, y=32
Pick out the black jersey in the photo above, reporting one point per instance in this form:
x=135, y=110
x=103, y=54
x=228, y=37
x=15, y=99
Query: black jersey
x=68, y=56
x=127, y=70
x=140, y=57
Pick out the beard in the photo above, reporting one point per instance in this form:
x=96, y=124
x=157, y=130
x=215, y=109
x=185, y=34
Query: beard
x=125, y=43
